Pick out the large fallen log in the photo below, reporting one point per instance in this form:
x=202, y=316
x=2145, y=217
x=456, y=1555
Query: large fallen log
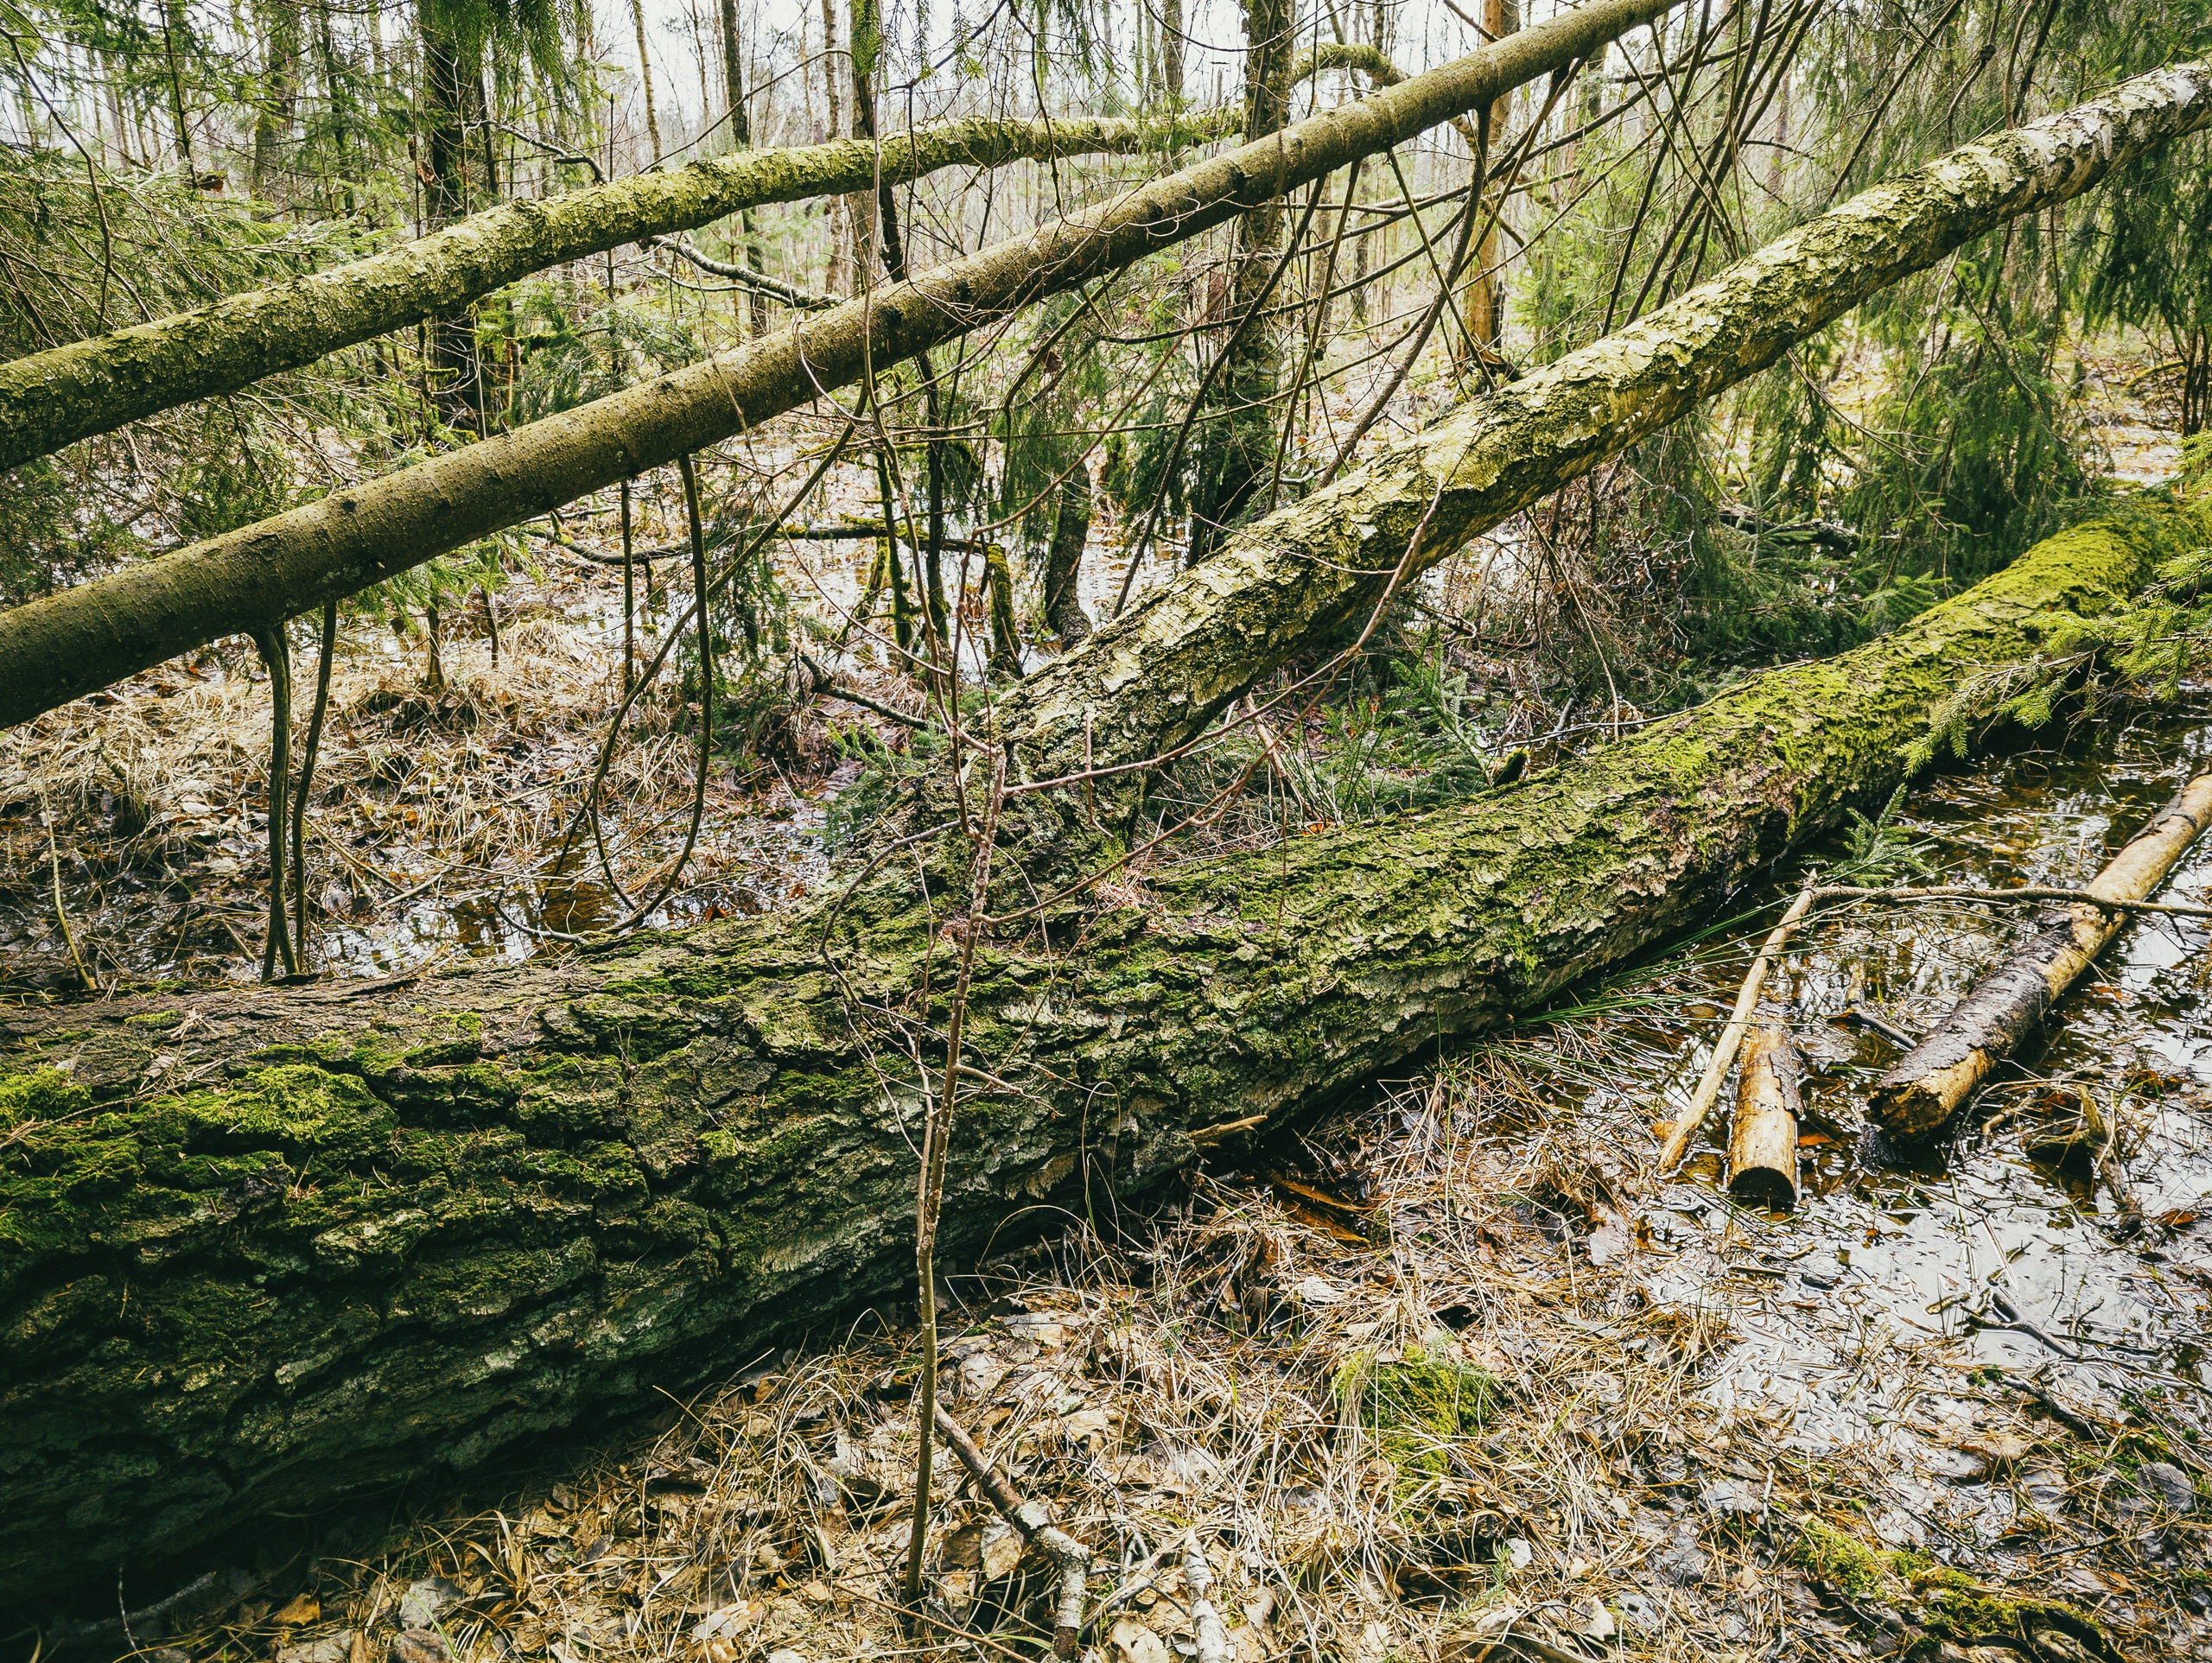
x=1921, y=1094
x=59, y=648
x=260, y=1249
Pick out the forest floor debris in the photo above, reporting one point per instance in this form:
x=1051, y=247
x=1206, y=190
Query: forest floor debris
x=438, y=813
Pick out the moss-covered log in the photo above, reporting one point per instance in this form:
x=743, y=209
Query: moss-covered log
x=1171, y=664
x=56, y=649
x=260, y=1248
x=53, y=398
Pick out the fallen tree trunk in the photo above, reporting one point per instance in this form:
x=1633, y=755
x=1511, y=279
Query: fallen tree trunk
x=1921, y=1094
x=59, y=648
x=53, y=398
x=1170, y=665
x=260, y=1249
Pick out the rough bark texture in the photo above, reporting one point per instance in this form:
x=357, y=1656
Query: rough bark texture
x=1921, y=1094
x=65, y=645
x=1170, y=664
x=259, y=1249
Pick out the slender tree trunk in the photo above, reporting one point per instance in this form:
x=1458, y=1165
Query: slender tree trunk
x=1171, y=49
x=446, y=102
x=272, y=124
x=1484, y=307
x=1063, y=562
x=174, y=24
x=740, y=139
x=262, y=1250
x=1238, y=445
x=840, y=209
x=875, y=210
x=645, y=77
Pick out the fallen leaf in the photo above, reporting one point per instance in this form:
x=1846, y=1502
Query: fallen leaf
x=304, y=1608
x=1130, y=1642
x=1600, y=1624
x=1813, y=1140
x=1662, y=1128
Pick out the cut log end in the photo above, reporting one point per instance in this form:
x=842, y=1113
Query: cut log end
x=1914, y=1101
x=1762, y=1145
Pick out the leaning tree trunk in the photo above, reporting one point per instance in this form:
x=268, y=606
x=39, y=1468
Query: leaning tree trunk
x=1172, y=662
x=55, y=398
x=262, y=1249
x=56, y=649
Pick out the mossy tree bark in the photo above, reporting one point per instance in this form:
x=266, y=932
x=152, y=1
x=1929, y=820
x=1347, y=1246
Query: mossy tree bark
x=62, y=646
x=1167, y=667
x=261, y=1250
x=53, y=398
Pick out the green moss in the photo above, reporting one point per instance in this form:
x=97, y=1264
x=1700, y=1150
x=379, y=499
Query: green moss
x=295, y=1109
x=155, y=1019
x=1842, y=1560
x=1418, y=1408
x=41, y=1094
x=1948, y=1603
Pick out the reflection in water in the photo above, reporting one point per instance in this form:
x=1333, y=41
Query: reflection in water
x=742, y=867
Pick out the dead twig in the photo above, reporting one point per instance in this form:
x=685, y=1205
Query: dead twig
x=2025, y=892
x=1034, y=1521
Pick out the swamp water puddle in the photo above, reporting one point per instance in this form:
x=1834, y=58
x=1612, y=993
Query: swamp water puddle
x=1905, y=1281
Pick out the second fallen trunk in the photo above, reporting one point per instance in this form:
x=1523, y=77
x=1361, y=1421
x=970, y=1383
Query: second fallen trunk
x=1923, y=1092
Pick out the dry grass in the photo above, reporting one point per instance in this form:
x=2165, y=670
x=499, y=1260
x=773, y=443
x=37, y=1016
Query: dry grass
x=157, y=796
